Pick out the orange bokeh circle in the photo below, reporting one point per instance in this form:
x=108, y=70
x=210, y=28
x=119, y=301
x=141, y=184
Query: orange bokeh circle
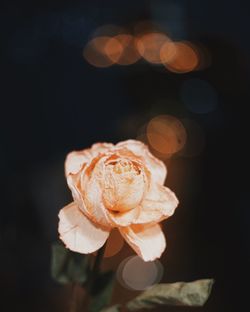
x=121, y=49
x=95, y=52
x=166, y=134
x=186, y=58
x=149, y=46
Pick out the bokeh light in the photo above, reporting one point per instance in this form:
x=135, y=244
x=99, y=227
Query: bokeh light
x=168, y=52
x=166, y=134
x=112, y=44
x=114, y=244
x=95, y=52
x=135, y=274
x=113, y=50
x=186, y=58
x=195, y=139
x=124, y=49
x=199, y=96
x=149, y=46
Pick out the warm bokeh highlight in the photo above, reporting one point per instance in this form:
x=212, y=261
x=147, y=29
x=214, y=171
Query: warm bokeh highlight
x=186, y=58
x=166, y=134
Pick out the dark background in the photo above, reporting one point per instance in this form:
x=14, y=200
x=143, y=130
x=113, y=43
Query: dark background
x=53, y=101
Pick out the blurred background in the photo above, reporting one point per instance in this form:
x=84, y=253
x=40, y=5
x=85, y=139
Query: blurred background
x=172, y=73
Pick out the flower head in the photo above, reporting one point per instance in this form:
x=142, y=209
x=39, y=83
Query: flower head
x=116, y=186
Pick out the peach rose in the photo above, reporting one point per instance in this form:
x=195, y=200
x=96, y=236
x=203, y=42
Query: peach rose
x=116, y=186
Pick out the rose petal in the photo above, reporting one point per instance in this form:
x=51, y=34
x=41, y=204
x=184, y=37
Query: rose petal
x=148, y=241
x=124, y=218
x=94, y=198
x=75, y=160
x=78, y=232
x=87, y=193
x=159, y=204
x=92, y=187
x=155, y=166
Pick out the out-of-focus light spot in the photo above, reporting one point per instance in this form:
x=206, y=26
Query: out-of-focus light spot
x=195, y=139
x=125, y=47
x=95, y=52
x=113, y=50
x=186, y=58
x=166, y=134
x=149, y=46
x=199, y=96
x=114, y=244
x=133, y=273
x=168, y=52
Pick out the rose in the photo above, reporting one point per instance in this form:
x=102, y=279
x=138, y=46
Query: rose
x=116, y=186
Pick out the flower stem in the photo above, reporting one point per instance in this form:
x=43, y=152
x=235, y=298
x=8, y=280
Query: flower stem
x=98, y=260
x=77, y=300
x=74, y=301
x=96, y=267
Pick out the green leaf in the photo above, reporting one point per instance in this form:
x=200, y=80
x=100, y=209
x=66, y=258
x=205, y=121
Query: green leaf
x=183, y=294
x=114, y=308
x=68, y=266
x=102, y=291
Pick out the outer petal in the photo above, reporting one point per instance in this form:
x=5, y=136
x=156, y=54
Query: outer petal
x=155, y=166
x=86, y=190
x=78, y=232
x=75, y=160
x=124, y=218
x=89, y=199
x=159, y=204
x=148, y=241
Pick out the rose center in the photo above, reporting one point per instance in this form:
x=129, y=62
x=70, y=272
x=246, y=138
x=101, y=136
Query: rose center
x=124, y=185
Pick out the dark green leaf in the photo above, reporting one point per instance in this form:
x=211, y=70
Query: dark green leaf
x=102, y=291
x=185, y=294
x=68, y=266
x=114, y=308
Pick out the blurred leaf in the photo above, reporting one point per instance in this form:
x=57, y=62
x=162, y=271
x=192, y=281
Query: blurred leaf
x=68, y=266
x=102, y=291
x=114, y=308
x=183, y=294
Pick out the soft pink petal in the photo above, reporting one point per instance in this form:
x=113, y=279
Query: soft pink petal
x=148, y=241
x=93, y=186
x=156, y=167
x=78, y=232
x=159, y=204
x=124, y=218
x=124, y=184
x=100, y=148
x=87, y=193
x=75, y=160
x=77, y=194
x=94, y=201
x=92, y=197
